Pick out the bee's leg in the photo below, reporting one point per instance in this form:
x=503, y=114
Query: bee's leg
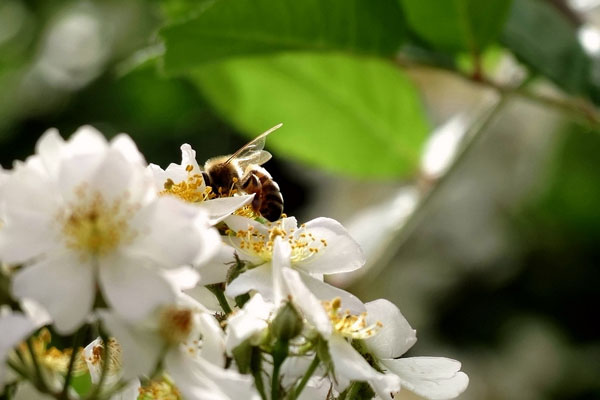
x=252, y=185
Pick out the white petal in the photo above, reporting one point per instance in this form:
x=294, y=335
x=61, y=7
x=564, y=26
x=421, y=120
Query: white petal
x=247, y=322
x=86, y=139
x=205, y=297
x=141, y=348
x=213, y=340
x=327, y=292
x=310, y=306
x=183, y=278
x=258, y=278
x=395, y=337
x=215, y=270
x=435, y=378
x=15, y=327
x=342, y=253
x=50, y=148
x=63, y=285
x=175, y=233
x=350, y=364
x=239, y=223
x=127, y=147
x=35, y=312
x=201, y=380
x=220, y=208
x=131, y=289
x=26, y=391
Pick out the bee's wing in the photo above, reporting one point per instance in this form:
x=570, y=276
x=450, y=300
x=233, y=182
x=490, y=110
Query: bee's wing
x=252, y=152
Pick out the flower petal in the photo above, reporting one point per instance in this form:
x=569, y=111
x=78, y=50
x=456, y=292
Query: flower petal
x=220, y=208
x=435, y=378
x=176, y=233
x=327, y=292
x=342, y=253
x=132, y=289
x=141, y=348
x=63, y=285
x=258, y=278
x=395, y=337
x=351, y=365
x=15, y=327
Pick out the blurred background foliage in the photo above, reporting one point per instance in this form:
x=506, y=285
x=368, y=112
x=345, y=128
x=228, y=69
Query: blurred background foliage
x=457, y=140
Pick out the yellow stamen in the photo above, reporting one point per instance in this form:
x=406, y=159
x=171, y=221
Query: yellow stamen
x=348, y=325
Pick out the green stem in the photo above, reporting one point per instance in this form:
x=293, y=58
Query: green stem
x=309, y=372
x=219, y=293
x=256, y=368
x=280, y=352
x=353, y=391
x=41, y=382
x=77, y=339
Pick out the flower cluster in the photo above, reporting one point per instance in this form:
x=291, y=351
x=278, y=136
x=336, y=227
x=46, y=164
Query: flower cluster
x=163, y=290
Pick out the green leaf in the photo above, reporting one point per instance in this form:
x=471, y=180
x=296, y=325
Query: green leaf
x=358, y=116
x=231, y=28
x=457, y=25
x=544, y=39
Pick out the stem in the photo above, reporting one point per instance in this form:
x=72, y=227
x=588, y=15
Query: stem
x=219, y=293
x=41, y=382
x=577, y=107
x=414, y=220
x=75, y=346
x=275, y=381
x=309, y=372
x=256, y=368
x=280, y=352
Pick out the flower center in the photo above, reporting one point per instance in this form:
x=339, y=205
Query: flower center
x=348, y=325
x=96, y=357
x=304, y=244
x=176, y=324
x=163, y=388
x=192, y=190
x=95, y=226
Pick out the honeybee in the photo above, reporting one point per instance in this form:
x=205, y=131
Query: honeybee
x=242, y=172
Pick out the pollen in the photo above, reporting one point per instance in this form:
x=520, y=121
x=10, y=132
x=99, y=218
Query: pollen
x=162, y=388
x=96, y=358
x=95, y=226
x=347, y=324
x=304, y=245
x=51, y=358
x=176, y=324
x=192, y=190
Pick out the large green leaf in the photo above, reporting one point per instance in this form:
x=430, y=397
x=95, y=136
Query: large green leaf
x=358, y=116
x=457, y=25
x=232, y=28
x=544, y=39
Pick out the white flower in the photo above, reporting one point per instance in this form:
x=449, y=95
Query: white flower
x=84, y=215
x=435, y=378
x=15, y=327
x=321, y=246
x=93, y=356
x=334, y=326
x=185, y=181
x=192, y=345
x=248, y=323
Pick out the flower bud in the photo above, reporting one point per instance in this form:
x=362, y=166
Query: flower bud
x=288, y=323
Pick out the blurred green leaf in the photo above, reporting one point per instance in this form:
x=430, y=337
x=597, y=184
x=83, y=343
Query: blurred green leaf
x=245, y=27
x=457, y=25
x=545, y=40
x=358, y=116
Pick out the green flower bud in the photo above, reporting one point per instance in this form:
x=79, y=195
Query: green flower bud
x=288, y=323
